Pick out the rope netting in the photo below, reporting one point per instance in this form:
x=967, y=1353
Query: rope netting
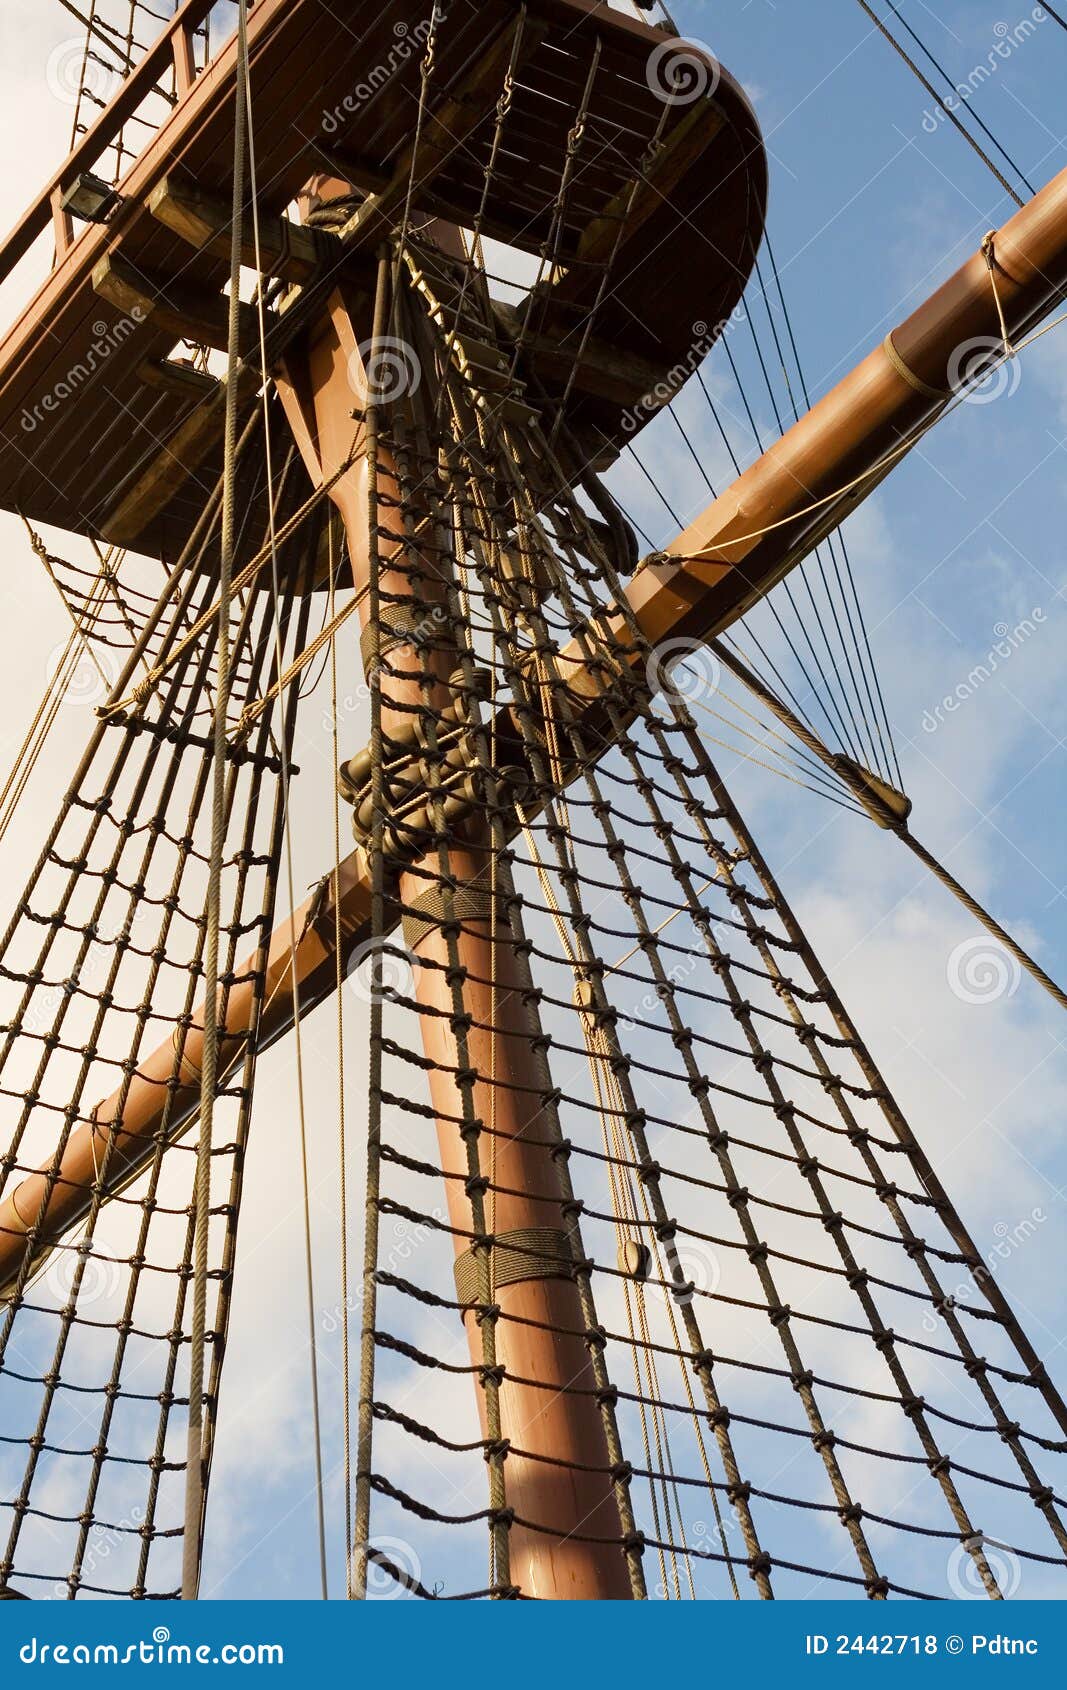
x=805, y=1376
x=117, y=33
x=102, y=975
x=640, y=1205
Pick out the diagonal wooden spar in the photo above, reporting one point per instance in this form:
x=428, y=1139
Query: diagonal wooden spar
x=747, y=539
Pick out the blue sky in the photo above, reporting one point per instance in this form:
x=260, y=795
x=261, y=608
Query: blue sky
x=873, y=202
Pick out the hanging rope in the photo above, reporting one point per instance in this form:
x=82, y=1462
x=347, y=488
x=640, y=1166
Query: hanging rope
x=277, y=600
x=195, y=1491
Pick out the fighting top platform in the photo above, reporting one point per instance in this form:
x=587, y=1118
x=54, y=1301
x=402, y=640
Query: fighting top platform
x=630, y=166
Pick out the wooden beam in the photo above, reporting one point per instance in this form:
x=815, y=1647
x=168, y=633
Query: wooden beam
x=602, y=371
x=187, y=313
x=141, y=80
x=203, y=219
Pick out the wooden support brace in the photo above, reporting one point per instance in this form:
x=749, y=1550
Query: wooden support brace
x=185, y=312
x=636, y=202
x=203, y=219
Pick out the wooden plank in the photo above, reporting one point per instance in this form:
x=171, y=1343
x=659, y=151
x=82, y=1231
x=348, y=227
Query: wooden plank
x=203, y=219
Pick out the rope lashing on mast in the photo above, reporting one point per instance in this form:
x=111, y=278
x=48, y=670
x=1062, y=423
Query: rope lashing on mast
x=192, y=1545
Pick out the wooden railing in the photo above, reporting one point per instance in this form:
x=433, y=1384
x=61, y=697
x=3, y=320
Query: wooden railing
x=172, y=49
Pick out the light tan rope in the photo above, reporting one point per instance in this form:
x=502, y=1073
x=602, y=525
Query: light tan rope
x=287, y=833
x=990, y=256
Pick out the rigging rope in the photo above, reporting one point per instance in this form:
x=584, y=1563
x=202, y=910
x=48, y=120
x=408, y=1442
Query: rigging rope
x=195, y=1478
x=287, y=835
x=899, y=47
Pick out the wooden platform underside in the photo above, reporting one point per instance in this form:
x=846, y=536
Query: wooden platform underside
x=92, y=407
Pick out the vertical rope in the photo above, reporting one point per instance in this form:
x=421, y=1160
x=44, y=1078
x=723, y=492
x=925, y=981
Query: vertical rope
x=287, y=834
x=194, y=1477
x=372, y=1213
